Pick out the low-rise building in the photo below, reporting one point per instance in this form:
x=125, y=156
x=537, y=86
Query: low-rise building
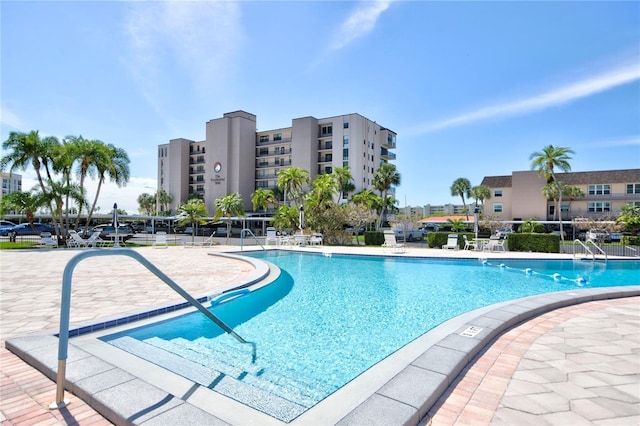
x=519, y=196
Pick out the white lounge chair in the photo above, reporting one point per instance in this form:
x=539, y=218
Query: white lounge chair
x=391, y=244
x=272, y=237
x=161, y=240
x=95, y=241
x=75, y=240
x=452, y=242
x=209, y=241
x=46, y=240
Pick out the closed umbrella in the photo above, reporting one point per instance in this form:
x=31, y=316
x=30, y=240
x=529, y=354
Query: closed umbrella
x=114, y=223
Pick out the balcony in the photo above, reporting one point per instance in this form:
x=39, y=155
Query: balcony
x=270, y=153
x=270, y=142
x=386, y=154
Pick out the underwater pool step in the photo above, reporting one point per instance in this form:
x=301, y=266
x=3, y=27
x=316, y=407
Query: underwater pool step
x=225, y=359
x=257, y=398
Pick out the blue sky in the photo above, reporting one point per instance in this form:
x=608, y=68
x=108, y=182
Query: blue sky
x=471, y=88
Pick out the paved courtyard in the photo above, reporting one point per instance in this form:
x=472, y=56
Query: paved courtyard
x=575, y=365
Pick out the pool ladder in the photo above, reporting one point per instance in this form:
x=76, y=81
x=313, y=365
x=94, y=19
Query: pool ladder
x=588, y=250
x=65, y=307
x=248, y=231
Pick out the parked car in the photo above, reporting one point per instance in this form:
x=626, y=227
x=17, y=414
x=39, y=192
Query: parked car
x=107, y=231
x=502, y=233
x=26, y=229
x=200, y=230
x=6, y=224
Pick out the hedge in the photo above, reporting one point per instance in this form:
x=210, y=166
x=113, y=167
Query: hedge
x=541, y=243
x=373, y=238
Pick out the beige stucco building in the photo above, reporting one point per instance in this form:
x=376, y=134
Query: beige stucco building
x=11, y=182
x=519, y=196
x=235, y=157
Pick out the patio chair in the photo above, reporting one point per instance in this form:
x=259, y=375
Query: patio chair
x=46, y=240
x=315, y=240
x=161, y=240
x=495, y=243
x=271, y=238
x=391, y=244
x=95, y=241
x=469, y=244
x=209, y=241
x=75, y=240
x=452, y=242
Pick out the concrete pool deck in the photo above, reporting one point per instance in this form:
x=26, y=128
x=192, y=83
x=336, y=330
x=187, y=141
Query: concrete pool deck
x=529, y=360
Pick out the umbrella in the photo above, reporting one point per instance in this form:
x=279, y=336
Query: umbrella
x=114, y=223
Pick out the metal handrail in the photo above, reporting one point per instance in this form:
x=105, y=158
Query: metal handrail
x=593, y=255
x=65, y=307
x=252, y=234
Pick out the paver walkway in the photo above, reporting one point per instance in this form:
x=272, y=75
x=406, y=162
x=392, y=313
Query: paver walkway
x=575, y=365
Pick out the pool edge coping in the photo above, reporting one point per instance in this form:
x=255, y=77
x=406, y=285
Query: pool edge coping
x=396, y=398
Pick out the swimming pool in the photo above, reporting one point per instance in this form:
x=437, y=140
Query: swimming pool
x=327, y=319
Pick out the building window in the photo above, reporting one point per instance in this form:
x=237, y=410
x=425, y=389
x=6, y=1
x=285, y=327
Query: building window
x=497, y=193
x=326, y=130
x=497, y=207
x=345, y=164
x=633, y=188
x=345, y=125
x=264, y=138
x=277, y=137
x=345, y=140
x=264, y=151
x=599, y=207
x=599, y=189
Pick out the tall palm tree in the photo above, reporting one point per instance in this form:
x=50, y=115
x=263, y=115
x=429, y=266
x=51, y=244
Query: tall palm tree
x=481, y=193
x=88, y=153
x=385, y=177
x=344, y=180
x=546, y=162
x=228, y=206
x=462, y=187
x=164, y=199
x=113, y=163
x=324, y=187
x=368, y=198
x=262, y=198
x=286, y=217
x=26, y=203
x=193, y=211
x=292, y=181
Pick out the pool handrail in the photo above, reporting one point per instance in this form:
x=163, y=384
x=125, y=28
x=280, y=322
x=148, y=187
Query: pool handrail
x=593, y=255
x=246, y=230
x=65, y=307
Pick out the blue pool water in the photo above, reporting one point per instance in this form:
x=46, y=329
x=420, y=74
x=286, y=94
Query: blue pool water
x=328, y=319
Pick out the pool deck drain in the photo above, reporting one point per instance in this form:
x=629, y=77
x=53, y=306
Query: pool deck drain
x=145, y=403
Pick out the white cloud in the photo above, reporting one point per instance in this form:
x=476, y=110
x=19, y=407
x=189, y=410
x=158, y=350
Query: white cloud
x=361, y=21
x=554, y=97
x=630, y=141
x=10, y=119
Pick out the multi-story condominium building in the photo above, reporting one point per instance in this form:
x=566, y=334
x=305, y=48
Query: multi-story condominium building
x=234, y=157
x=519, y=196
x=11, y=182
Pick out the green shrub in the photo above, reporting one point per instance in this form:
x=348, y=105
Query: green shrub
x=373, y=238
x=630, y=240
x=541, y=243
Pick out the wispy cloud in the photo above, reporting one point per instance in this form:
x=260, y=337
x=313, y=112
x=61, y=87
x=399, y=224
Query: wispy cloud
x=10, y=119
x=361, y=21
x=610, y=143
x=187, y=43
x=554, y=97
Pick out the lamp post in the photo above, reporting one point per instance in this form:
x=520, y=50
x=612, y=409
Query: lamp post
x=475, y=221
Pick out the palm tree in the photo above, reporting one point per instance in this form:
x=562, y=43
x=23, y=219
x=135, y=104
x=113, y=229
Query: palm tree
x=324, y=187
x=344, y=180
x=457, y=225
x=88, y=153
x=291, y=181
x=229, y=205
x=193, y=211
x=112, y=162
x=26, y=203
x=262, y=198
x=164, y=199
x=368, y=198
x=462, y=188
x=385, y=177
x=481, y=193
x=147, y=203
x=286, y=217
x=546, y=161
